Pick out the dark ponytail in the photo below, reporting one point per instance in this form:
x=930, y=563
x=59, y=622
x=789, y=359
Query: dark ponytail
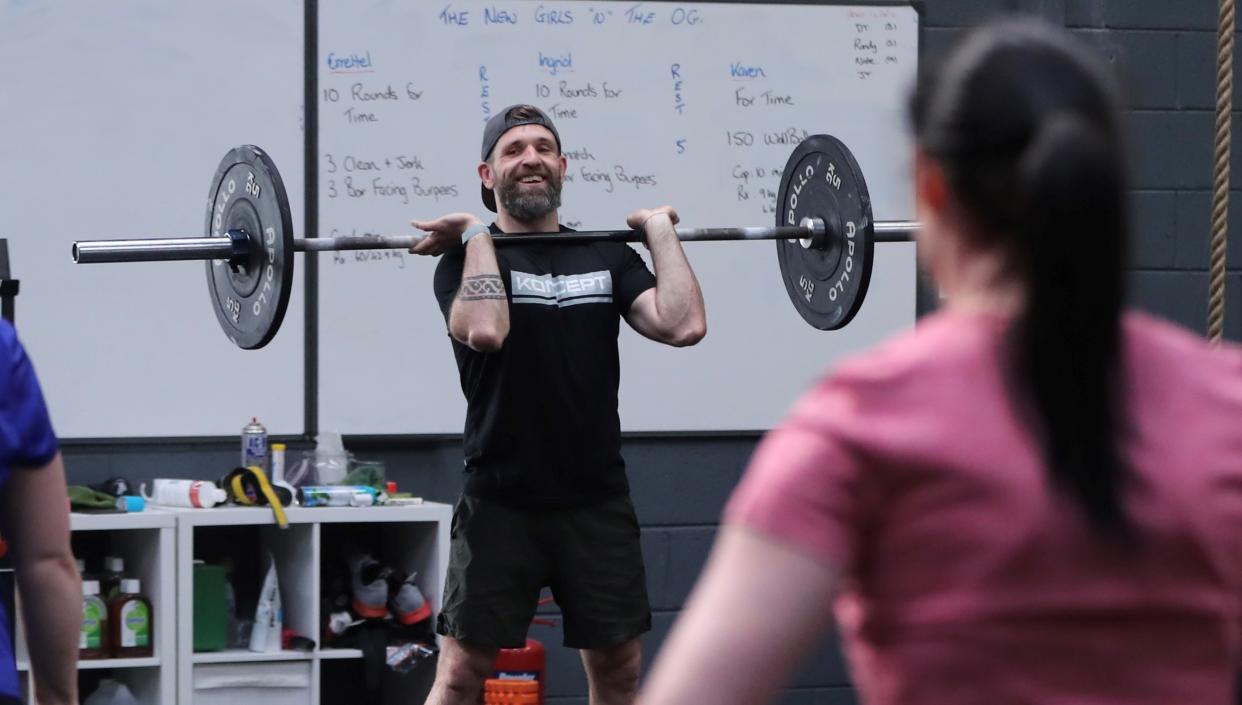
x=1067, y=341
x=1025, y=124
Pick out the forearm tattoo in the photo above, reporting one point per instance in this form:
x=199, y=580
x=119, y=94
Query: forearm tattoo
x=481, y=288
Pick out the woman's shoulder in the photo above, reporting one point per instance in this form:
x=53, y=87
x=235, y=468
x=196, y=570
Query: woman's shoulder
x=1145, y=331
x=946, y=355
x=1157, y=347
x=939, y=343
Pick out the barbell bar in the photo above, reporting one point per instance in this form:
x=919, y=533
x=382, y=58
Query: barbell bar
x=200, y=248
x=824, y=233
x=236, y=247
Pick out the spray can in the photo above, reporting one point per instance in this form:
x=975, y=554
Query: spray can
x=254, y=445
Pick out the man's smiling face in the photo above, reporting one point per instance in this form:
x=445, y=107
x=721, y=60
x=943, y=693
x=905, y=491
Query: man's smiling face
x=528, y=170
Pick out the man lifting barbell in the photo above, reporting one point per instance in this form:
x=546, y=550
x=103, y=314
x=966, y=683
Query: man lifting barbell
x=546, y=501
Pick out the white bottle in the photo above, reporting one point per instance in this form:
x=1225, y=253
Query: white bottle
x=278, y=470
x=184, y=493
x=331, y=460
x=269, y=615
x=278, y=463
x=111, y=692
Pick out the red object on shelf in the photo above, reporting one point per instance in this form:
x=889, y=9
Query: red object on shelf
x=526, y=663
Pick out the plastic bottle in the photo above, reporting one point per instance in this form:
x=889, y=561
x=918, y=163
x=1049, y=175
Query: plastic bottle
x=268, y=614
x=336, y=496
x=331, y=459
x=278, y=470
x=254, y=445
x=130, y=621
x=93, y=635
x=111, y=692
x=278, y=463
x=82, y=574
x=184, y=493
x=111, y=576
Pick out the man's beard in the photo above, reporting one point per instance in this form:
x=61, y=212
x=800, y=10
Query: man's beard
x=529, y=204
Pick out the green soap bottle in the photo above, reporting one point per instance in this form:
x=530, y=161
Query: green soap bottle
x=129, y=619
x=93, y=637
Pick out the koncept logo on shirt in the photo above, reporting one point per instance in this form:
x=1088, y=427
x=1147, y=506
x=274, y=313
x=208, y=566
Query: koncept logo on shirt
x=563, y=290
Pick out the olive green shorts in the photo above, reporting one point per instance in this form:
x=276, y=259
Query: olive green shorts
x=500, y=558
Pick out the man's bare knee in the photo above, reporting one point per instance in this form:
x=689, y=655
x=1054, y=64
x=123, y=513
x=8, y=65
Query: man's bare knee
x=460, y=673
x=614, y=672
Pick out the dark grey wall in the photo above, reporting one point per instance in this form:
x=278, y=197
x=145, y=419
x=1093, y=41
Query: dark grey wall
x=1166, y=54
x=1166, y=48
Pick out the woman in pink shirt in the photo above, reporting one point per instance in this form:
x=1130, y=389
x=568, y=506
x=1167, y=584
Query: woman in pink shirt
x=1035, y=496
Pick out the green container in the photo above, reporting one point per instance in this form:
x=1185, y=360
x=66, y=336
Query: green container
x=210, y=607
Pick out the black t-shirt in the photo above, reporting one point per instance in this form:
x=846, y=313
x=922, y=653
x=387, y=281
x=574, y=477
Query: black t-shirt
x=542, y=429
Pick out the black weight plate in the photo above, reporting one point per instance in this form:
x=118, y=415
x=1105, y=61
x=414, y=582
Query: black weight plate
x=826, y=282
x=250, y=297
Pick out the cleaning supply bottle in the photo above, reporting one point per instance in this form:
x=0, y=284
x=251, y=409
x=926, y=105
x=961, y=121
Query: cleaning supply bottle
x=277, y=476
x=93, y=636
x=269, y=616
x=111, y=692
x=278, y=463
x=110, y=578
x=200, y=494
x=129, y=621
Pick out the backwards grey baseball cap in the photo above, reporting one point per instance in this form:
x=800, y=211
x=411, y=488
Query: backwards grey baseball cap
x=501, y=123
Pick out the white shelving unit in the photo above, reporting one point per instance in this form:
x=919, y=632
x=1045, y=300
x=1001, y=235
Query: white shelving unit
x=409, y=538
x=160, y=545
x=146, y=541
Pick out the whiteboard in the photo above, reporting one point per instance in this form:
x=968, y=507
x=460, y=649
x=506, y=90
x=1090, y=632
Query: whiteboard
x=115, y=116
x=695, y=105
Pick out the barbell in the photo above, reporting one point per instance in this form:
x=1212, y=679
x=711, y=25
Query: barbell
x=824, y=233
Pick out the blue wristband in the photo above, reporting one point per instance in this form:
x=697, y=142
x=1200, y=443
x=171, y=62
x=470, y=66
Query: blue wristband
x=476, y=229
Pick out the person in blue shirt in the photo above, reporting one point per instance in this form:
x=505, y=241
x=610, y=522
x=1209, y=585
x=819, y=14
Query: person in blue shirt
x=34, y=518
